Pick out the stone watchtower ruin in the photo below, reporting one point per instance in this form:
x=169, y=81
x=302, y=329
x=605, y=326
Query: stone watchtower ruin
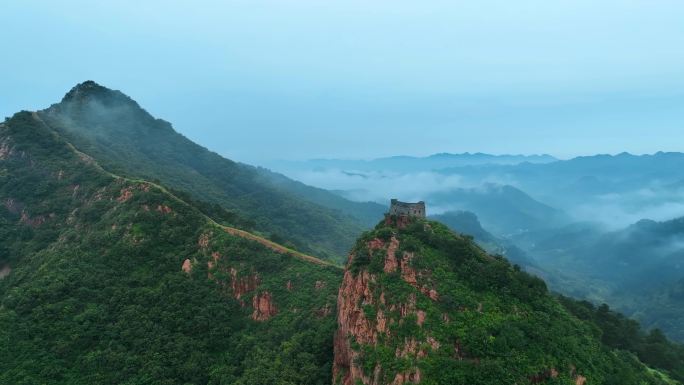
x=407, y=209
x=402, y=212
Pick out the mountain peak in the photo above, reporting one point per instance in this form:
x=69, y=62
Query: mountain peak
x=90, y=90
x=85, y=88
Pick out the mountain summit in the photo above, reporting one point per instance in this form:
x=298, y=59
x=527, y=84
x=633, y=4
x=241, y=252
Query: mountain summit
x=124, y=138
x=90, y=91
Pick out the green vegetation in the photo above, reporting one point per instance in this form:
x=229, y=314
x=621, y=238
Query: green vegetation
x=634, y=269
x=118, y=280
x=96, y=294
x=491, y=323
x=620, y=332
x=125, y=139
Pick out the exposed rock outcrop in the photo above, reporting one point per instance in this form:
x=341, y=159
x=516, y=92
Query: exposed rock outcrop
x=391, y=258
x=352, y=323
x=125, y=195
x=164, y=209
x=240, y=285
x=264, y=306
x=187, y=266
x=358, y=294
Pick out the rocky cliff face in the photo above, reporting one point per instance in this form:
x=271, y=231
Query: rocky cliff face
x=421, y=304
x=365, y=317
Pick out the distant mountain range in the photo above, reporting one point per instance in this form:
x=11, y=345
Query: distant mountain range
x=414, y=163
x=601, y=227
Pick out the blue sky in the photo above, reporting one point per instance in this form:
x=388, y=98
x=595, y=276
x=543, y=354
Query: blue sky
x=260, y=80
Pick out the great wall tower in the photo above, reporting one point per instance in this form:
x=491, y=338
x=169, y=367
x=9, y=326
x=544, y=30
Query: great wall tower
x=400, y=213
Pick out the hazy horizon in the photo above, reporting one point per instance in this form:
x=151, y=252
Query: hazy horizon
x=259, y=81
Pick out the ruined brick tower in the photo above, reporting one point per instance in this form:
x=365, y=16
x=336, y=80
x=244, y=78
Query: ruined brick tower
x=400, y=209
x=401, y=213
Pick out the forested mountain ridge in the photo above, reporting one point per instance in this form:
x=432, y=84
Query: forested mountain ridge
x=421, y=304
x=124, y=138
x=113, y=280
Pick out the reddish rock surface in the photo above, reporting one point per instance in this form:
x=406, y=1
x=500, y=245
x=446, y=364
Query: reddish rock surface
x=126, y=194
x=391, y=263
x=421, y=317
x=400, y=221
x=376, y=244
x=408, y=273
x=164, y=209
x=242, y=285
x=353, y=294
x=407, y=377
x=187, y=266
x=264, y=307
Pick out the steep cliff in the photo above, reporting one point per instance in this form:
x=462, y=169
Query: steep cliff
x=421, y=304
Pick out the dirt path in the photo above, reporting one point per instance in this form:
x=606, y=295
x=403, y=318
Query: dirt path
x=275, y=247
